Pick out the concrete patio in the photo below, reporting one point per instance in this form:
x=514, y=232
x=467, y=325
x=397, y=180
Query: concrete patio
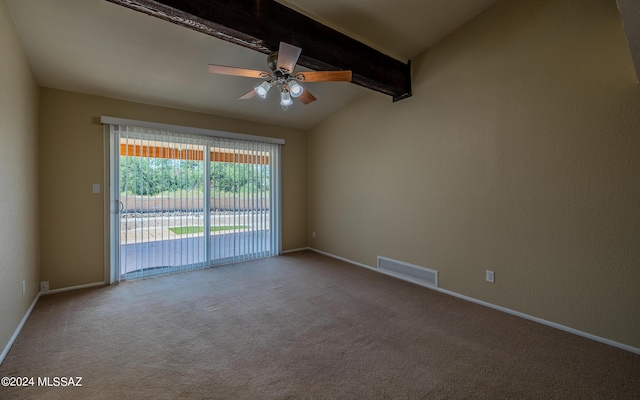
x=149, y=247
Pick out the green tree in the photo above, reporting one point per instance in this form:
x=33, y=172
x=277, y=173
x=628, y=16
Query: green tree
x=150, y=176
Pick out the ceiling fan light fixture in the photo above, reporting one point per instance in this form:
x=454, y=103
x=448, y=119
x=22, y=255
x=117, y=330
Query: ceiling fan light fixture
x=263, y=89
x=295, y=89
x=285, y=99
x=282, y=64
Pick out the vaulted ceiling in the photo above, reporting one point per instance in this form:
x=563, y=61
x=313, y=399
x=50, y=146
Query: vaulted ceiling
x=97, y=47
x=101, y=48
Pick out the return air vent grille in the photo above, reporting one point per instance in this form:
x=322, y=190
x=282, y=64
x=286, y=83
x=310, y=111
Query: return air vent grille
x=408, y=272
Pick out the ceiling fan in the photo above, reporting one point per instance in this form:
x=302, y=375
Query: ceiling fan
x=282, y=63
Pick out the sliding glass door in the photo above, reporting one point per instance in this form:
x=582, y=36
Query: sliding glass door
x=162, y=205
x=182, y=201
x=240, y=209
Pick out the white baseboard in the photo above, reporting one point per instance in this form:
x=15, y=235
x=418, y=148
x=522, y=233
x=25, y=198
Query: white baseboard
x=18, y=329
x=496, y=307
x=346, y=260
x=295, y=250
x=70, y=288
x=33, y=304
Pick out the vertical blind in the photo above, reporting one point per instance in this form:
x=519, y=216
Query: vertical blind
x=186, y=200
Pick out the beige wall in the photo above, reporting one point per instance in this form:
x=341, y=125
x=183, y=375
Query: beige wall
x=519, y=152
x=71, y=159
x=18, y=180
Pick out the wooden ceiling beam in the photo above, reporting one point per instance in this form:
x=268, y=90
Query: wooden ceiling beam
x=262, y=24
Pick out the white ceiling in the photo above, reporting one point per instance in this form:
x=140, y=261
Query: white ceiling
x=99, y=48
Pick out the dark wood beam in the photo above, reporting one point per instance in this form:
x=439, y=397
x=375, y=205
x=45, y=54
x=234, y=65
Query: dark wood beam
x=262, y=24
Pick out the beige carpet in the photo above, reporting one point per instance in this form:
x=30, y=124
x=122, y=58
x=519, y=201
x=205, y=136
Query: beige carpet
x=302, y=326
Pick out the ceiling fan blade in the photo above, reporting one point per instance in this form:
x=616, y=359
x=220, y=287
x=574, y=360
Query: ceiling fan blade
x=324, y=76
x=248, y=73
x=306, y=97
x=288, y=57
x=250, y=94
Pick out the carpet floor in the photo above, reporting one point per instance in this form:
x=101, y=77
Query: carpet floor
x=301, y=326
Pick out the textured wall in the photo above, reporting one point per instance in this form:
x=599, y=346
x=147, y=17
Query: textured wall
x=518, y=152
x=71, y=217
x=630, y=14
x=18, y=180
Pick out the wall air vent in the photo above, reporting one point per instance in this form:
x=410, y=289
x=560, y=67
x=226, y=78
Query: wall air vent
x=408, y=272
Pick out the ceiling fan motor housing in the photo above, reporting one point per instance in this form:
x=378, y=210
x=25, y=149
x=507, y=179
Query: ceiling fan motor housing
x=272, y=61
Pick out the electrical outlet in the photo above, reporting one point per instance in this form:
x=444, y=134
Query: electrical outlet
x=95, y=188
x=24, y=287
x=490, y=276
x=313, y=234
x=44, y=286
